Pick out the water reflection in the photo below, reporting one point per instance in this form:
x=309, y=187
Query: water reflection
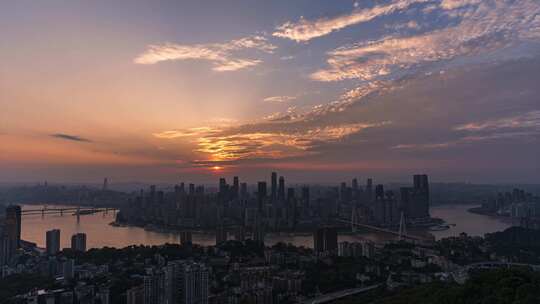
x=100, y=233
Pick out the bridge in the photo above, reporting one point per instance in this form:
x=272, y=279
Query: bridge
x=61, y=210
x=325, y=298
x=383, y=230
x=496, y=264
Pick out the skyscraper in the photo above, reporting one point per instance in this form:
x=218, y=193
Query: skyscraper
x=379, y=193
x=6, y=245
x=13, y=224
x=274, y=186
x=243, y=190
x=420, y=197
x=78, y=242
x=369, y=190
x=261, y=194
x=292, y=212
x=236, y=186
x=325, y=240
x=185, y=237
x=355, y=188
x=221, y=235
x=281, y=188
x=53, y=241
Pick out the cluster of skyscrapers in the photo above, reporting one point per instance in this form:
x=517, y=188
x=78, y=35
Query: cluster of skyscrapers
x=234, y=210
x=179, y=282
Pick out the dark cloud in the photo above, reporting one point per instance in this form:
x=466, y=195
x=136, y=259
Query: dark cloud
x=70, y=137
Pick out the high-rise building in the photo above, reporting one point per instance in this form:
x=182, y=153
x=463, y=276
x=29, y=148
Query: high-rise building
x=6, y=245
x=13, y=224
x=379, y=193
x=405, y=200
x=420, y=197
x=68, y=269
x=135, y=295
x=78, y=242
x=243, y=190
x=186, y=283
x=259, y=232
x=273, y=192
x=355, y=188
x=236, y=186
x=221, y=235
x=305, y=197
x=325, y=240
x=223, y=187
x=369, y=190
x=53, y=241
x=154, y=288
x=292, y=212
x=185, y=237
x=261, y=194
x=240, y=234
x=281, y=188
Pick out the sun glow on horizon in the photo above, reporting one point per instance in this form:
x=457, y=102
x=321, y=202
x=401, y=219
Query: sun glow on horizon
x=217, y=168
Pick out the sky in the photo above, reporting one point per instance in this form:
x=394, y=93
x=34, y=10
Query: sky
x=320, y=91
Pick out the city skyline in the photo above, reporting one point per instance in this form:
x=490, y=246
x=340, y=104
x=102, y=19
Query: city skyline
x=319, y=91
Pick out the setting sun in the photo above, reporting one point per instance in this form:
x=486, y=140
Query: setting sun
x=217, y=168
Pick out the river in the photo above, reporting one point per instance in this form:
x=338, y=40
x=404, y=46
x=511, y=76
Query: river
x=100, y=233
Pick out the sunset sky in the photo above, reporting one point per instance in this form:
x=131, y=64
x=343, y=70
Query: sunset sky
x=317, y=90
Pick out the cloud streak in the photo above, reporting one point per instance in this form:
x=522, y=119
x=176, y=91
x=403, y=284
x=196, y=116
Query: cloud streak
x=279, y=99
x=221, y=55
x=305, y=30
x=70, y=137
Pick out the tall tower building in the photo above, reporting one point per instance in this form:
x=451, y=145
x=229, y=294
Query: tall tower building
x=261, y=194
x=281, y=188
x=420, y=196
x=292, y=212
x=13, y=224
x=369, y=190
x=221, y=235
x=236, y=186
x=305, y=197
x=355, y=188
x=274, y=186
x=78, y=242
x=6, y=246
x=52, y=241
x=379, y=193
x=243, y=190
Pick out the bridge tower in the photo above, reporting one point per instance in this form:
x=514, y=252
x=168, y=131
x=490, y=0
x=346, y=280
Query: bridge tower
x=78, y=214
x=402, y=226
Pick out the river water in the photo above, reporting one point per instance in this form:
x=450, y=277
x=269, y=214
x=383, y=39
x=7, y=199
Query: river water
x=100, y=233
